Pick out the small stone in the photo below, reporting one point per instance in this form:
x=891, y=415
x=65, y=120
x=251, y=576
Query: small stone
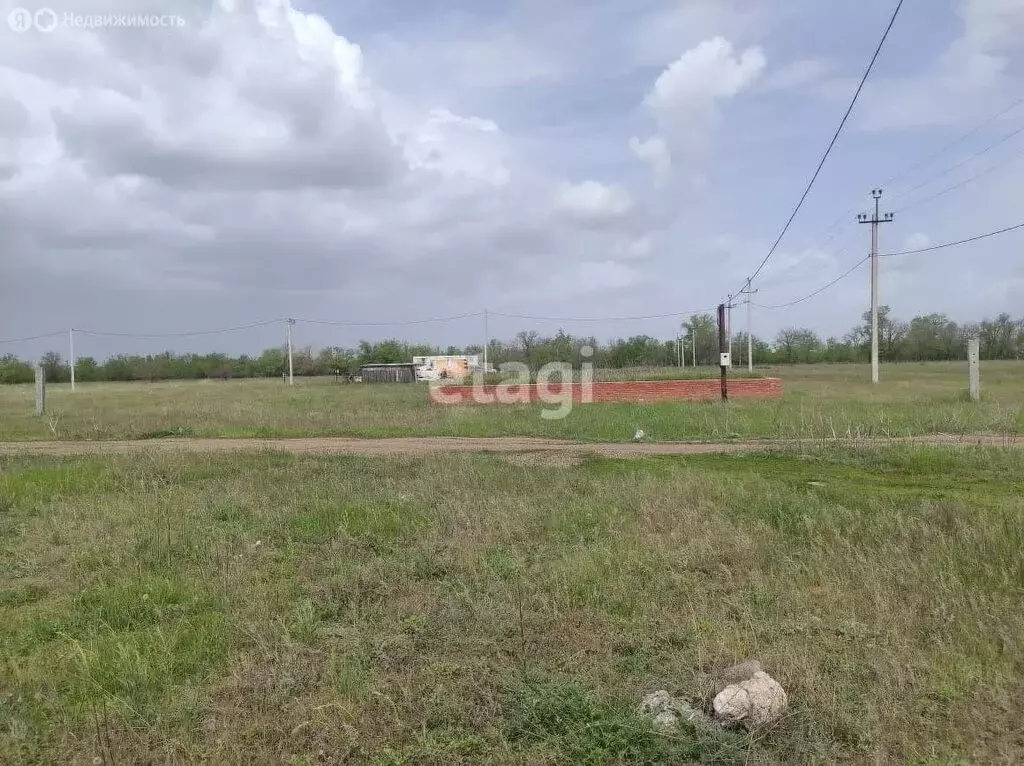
x=656, y=703
x=758, y=701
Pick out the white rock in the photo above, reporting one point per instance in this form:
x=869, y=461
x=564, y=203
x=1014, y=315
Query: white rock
x=755, y=702
x=666, y=721
x=656, y=703
x=639, y=435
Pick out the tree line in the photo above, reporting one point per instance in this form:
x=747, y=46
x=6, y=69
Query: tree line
x=933, y=337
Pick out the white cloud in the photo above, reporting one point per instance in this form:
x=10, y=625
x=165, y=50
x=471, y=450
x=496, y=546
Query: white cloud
x=468, y=146
x=591, y=202
x=801, y=73
x=684, y=100
x=655, y=153
x=250, y=150
x=973, y=71
x=992, y=25
x=703, y=74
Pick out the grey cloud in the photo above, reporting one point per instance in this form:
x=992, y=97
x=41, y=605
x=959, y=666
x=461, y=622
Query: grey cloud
x=348, y=156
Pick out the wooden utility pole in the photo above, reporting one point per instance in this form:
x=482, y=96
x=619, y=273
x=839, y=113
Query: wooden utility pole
x=723, y=351
x=874, y=220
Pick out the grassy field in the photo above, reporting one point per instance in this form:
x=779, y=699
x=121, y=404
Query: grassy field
x=818, y=401
x=270, y=608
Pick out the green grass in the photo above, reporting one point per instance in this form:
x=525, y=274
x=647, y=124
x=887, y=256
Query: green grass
x=273, y=608
x=818, y=401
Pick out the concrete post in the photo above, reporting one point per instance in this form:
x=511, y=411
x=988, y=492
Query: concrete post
x=974, y=367
x=40, y=390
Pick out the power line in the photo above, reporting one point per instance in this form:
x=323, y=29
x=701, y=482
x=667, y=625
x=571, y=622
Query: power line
x=954, y=142
x=857, y=265
x=832, y=143
x=964, y=182
x=963, y=162
x=832, y=230
x=390, y=324
x=178, y=334
x=668, y=315
x=953, y=244
x=820, y=290
x=34, y=337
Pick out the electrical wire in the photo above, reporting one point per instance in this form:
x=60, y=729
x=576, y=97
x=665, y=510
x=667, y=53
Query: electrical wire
x=953, y=244
x=390, y=324
x=961, y=184
x=602, y=319
x=962, y=162
x=34, y=337
x=832, y=143
x=177, y=334
x=830, y=232
x=861, y=262
x=938, y=153
x=819, y=291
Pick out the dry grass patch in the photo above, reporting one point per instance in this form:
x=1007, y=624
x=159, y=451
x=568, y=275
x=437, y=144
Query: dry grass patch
x=303, y=609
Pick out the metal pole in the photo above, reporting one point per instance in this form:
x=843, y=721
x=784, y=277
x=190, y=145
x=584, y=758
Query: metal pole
x=291, y=368
x=693, y=330
x=71, y=343
x=723, y=344
x=487, y=340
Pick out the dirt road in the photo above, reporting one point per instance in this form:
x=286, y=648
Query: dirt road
x=419, y=446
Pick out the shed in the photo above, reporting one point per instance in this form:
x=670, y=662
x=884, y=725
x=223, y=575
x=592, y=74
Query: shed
x=388, y=373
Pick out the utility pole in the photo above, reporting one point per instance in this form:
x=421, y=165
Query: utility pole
x=728, y=327
x=487, y=340
x=750, y=328
x=71, y=353
x=874, y=221
x=291, y=368
x=722, y=353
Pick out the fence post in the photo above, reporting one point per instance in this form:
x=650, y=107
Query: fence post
x=40, y=390
x=974, y=367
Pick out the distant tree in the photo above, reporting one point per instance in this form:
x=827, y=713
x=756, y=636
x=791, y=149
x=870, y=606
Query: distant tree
x=55, y=368
x=798, y=345
x=704, y=329
x=999, y=338
x=14, y=370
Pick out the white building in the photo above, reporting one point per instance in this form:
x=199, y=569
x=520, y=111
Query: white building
x=446, y=367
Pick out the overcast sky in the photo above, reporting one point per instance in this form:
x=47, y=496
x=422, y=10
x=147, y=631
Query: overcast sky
x=376, y=160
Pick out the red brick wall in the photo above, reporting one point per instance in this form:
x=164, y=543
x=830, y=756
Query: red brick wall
x=617, y=391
